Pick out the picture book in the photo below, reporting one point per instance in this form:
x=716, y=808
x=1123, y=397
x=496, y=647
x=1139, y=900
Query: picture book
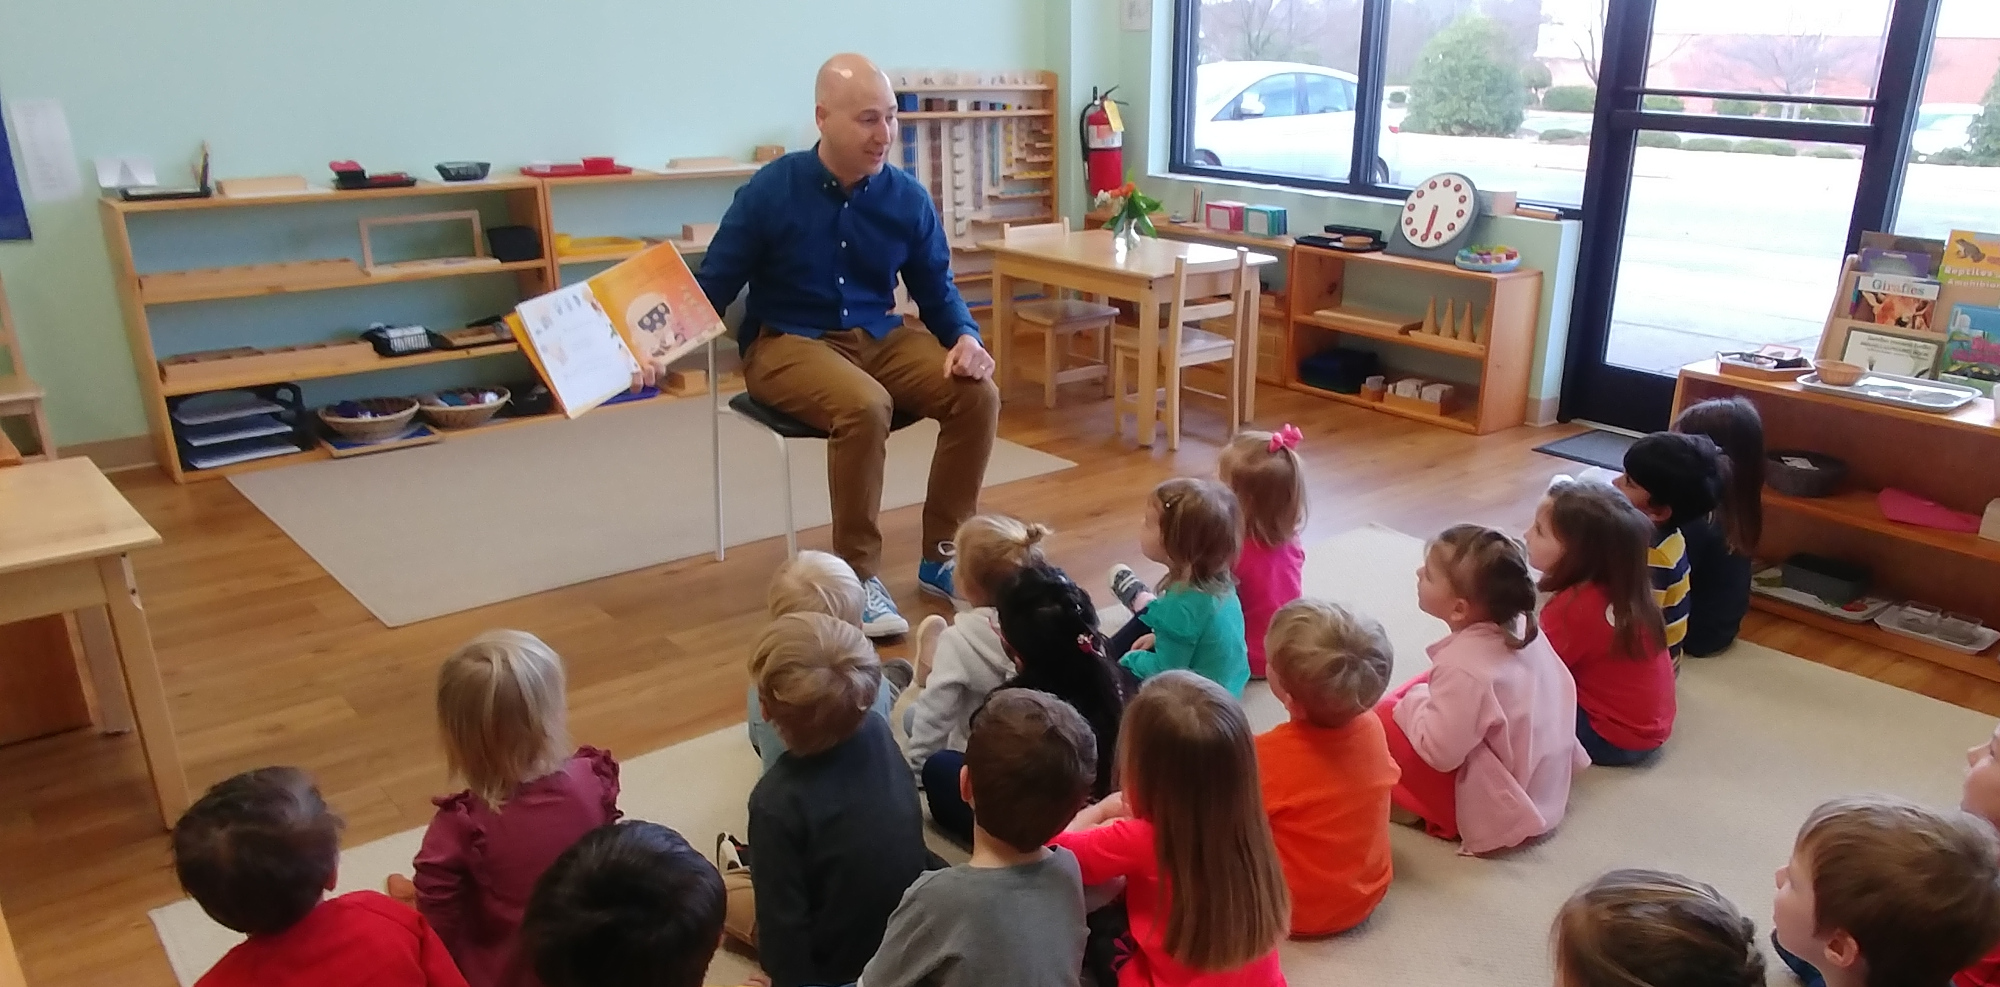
x=1905, y=263
x=1894, y=300
x=1972, y=347
x=1971, y=257
x=589, y=339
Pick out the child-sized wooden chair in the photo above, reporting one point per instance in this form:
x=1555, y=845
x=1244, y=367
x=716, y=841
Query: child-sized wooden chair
x=20, y=396
x=1059, y=322
x=1183, y=345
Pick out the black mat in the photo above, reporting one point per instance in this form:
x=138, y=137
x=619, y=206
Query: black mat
x=1595, y=447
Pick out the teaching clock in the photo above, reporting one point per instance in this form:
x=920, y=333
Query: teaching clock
x=1437, y=219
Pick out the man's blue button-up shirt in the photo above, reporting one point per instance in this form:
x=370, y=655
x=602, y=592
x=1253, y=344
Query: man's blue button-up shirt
x=821, y=259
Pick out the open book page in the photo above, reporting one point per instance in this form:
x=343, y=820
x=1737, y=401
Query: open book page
x=655, y=301
x=581, y=354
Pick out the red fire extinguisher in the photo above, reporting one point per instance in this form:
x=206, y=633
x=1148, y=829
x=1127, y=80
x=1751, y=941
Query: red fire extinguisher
x=1103, y=141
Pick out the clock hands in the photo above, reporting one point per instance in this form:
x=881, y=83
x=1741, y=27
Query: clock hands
x=1428, y=227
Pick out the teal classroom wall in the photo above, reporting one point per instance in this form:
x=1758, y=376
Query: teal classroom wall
x=284, y=87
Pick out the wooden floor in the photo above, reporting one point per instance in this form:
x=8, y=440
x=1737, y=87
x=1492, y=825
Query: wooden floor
x=268, y=661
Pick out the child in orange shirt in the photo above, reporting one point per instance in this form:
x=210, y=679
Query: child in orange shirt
x=1327, y=773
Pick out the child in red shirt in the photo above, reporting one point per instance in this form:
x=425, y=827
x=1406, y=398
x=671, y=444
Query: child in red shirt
x=258, y=852
x=1263, y=470
x=1327, y=771
x=1188, y=819
x=1590, y=544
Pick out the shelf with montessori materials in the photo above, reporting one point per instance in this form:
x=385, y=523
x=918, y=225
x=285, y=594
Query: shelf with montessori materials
x=1941, y=457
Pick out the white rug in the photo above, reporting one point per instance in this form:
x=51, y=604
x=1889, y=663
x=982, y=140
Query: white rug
x=1762, y=737
x=477, y=519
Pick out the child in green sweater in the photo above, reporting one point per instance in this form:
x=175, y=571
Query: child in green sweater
x=1194, y=622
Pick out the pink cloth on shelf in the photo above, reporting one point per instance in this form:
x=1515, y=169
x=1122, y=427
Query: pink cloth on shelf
x=1267, y=577
x=1904, y=506
x=478, y=865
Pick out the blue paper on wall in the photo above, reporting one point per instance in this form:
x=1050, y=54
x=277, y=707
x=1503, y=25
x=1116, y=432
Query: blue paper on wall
x=13, y=212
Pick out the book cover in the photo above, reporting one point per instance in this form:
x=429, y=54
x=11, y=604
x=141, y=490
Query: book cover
x=1971, y=257
x=1972, y=347
x=1894, y=300
x=1906, y=263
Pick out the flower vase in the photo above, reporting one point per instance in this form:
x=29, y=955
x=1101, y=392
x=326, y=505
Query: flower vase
x=1126, y=237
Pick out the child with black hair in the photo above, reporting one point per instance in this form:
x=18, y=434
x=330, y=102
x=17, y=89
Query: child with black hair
x=1720, y=546
x=259, y=852
x=629, y=905
x=1673, y=479
x=1049, y=628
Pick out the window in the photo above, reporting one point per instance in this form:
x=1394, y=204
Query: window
x=1273, y=96
x=1328, y=94
x=1269, y=88
x=1953, y=179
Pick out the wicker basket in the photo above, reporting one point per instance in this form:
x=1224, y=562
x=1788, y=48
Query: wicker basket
x=392, y=416
x=463, y=415
x=1820, y=481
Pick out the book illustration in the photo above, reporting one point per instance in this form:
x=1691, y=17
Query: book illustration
x=1894, y=300
x=1970, y=256
x=1904, y=263
x=581, y=354
x=1887, y=353
x=1972, y=346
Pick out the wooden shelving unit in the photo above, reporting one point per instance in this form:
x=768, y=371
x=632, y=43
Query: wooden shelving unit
x=1492, y=393
x=226, y=283
x=308, y=367
x=1946, y=458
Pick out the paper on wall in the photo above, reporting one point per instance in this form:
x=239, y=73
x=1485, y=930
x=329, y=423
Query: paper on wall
x=47, y=153
x=1135, y=15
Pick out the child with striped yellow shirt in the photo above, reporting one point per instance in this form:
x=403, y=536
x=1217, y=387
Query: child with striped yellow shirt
x=1673, y=479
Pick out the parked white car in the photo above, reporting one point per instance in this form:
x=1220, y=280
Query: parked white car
x=1943, y=126
x=1284, y=117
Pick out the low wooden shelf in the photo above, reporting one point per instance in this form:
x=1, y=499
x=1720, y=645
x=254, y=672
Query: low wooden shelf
x=1463, y=418
x=1946, y=458
x=326, y=196
x=218, y=283
x=971, y=114
x=311, y=364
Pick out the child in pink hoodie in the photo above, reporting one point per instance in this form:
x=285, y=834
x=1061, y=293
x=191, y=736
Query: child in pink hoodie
x=1486, y=738
x=1263, y=470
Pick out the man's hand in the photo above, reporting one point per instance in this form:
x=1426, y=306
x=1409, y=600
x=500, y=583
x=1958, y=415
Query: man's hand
x=648, y=375
x=968, y=359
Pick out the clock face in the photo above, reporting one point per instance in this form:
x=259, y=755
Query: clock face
x=1441, y=210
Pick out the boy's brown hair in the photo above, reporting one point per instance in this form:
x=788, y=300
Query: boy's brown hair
x=1201, y=528
x=1334, y=664
x=1917, y=888
x=1031, y=760
x=819, y=677
x=815, y=582
x=1270, y=485
x=257, y=850
x=1657, y=929
x=990, y=549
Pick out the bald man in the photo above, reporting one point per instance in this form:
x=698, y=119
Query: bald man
x=820, y=236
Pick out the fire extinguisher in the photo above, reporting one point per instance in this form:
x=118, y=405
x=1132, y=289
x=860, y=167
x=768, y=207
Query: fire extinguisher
x=1103, y=143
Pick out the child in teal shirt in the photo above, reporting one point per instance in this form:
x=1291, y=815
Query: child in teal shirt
x=1195, y=621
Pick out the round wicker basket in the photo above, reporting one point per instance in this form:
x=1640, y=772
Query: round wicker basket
x=390, y=417
x=463, y=415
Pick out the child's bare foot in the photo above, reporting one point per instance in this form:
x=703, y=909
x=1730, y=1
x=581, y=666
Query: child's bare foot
x=927, y=639
x=1404, y=817
x=1129, y=588
x=400, y=888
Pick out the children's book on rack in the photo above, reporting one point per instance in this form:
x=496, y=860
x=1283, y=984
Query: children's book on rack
x=1971, y=257
x=1893, y=300
x=1972, y=347
x=589, y=339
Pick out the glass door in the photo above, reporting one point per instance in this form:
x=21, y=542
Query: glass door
x=1739, y=150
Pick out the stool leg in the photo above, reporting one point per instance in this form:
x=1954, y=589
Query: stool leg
x=1050, y=361
x=1118, y=395
x=791, y=519
x=715, y=448
x=1173, y=377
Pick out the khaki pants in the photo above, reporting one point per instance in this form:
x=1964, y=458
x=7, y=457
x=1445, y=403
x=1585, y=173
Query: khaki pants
x=740, y=911
x=848, y=384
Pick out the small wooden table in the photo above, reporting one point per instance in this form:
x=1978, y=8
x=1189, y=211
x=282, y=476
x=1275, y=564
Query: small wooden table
x=1089, y=262
x=64, y=535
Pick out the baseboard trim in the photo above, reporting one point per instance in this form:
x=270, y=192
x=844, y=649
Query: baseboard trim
x=1542, y=411
x=115, y=455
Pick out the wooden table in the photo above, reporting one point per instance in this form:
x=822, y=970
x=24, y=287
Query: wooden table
x=64, y=535
x=1091, y=263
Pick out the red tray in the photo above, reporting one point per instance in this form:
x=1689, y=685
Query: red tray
x=572, y=171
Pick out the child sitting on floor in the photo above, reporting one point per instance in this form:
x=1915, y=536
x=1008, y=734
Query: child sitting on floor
x=1646, y=927
x=1204, y=889
x=1590, y=544
x=630, y=905
x=1720, y=546
x=1880, y=892
x=1262, y=469
x=1327, y=771
x=817, y=582
x=1014, y=913
x=258, y=853
x=1487, y=737
x=960, y=664
x=1195, y=621
x=500, y=703
x=835, y=824
x=1673, y=479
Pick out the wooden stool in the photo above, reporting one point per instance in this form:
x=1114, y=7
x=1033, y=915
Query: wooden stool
x=1184, y=345
x=20, y=396
x=1059, y=322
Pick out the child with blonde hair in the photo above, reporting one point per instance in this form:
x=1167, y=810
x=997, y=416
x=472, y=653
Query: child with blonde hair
x=1653, y=928
x=1327, y=770
x=500, y=706
x=1204, y=889
x=1195, y=621
x=835, y=824
x=816, y=582
x=1487, y=737
x=960, y=664
x=1263, y=470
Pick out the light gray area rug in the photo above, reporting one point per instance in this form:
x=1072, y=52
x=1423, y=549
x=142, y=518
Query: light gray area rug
x=477, y=519
x=1762, y=737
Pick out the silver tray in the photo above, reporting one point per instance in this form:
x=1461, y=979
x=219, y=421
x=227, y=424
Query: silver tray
x=1899, y=392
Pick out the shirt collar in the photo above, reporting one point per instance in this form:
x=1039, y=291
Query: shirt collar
x=828, y=183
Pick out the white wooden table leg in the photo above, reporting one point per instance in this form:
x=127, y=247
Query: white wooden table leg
x=107, y=681
x=142, y=679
